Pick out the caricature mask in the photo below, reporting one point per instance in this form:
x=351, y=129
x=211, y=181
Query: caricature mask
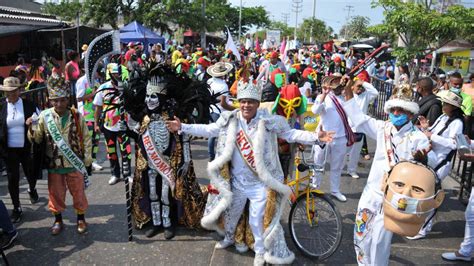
x=155, y=86
x=411, y=191
x=290, y=102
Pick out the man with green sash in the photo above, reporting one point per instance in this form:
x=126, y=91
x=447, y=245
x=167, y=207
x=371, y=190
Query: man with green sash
x=68, y=153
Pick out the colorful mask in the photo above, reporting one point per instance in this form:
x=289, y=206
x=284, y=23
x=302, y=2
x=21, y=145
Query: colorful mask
x=290, y=102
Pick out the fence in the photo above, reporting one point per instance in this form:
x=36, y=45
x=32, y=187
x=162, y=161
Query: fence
x=385, y=91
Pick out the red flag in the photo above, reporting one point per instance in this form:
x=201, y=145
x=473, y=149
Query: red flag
x=257, y=45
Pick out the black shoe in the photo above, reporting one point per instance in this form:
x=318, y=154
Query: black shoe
x=169, y=233
x=8, y=239
x=152, y=231
x=33, y=196
x=15, y=217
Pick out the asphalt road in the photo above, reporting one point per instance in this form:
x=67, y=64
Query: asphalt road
x=106, y=241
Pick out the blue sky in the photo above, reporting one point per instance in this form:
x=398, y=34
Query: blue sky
x=330, y=11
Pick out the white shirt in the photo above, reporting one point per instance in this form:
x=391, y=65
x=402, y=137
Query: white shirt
x=243, y=177
x=330, y=119
x=217, y=86
x=443, y=144
x=81, y=86
x=16, y=124
x=407, y=140
x=363, y=100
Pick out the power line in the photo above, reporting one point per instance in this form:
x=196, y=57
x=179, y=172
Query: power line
x=285, y=17
x=349, y=9
x=297, y=7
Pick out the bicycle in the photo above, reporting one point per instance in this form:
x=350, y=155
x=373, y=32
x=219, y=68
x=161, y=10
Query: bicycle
x=315, y=224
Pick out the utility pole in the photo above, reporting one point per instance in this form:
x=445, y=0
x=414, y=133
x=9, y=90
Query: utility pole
x=240, y=22
x=314, y=17
x=285, y=17
x=349, y=9
x=203, y=29
x=297, y=7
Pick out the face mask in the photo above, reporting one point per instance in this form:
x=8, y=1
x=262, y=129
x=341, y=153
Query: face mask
x=407, y=205
x=455, y=90
x=398, y=120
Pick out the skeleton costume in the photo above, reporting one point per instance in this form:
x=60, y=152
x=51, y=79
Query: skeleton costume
x=246, y=167
x=164, y=178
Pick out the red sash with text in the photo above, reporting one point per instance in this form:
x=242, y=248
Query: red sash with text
x=245, y=148
x=157, y=161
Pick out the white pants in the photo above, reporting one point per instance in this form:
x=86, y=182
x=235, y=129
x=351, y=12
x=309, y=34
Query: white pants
x=257, y=196
x=336, y=154
x=467, y=246
x=371, y=240
x=354, y=156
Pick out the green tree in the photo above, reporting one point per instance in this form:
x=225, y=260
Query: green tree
x=66, y=9
x=356, y=28
x=423, y=29
x=320, y=31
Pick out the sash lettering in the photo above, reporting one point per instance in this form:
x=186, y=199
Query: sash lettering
x=64, y=148
x=246, y=150
x=156, y=159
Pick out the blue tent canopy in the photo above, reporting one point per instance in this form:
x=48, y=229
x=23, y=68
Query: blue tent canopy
x=136, y=32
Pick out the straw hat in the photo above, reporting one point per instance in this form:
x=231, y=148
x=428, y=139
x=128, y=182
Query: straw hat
x=57, y=87
x=450, y=97
x=219, y=69
x=84, y=47
x=11, y=84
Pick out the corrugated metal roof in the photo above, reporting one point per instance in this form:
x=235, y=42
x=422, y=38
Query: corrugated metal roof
x=10, y=14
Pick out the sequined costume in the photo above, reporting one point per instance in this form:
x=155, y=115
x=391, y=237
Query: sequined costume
x=159, y=195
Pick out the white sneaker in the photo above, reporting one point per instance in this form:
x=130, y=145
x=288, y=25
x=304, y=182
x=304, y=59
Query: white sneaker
x=113, y=180
x=96, y=166
x=416, y=237
x=130, y=180
x=241, y=248
x=259, y=259
x=453, y=256
x=339, y=196
x=223, y=244
x=354, y=175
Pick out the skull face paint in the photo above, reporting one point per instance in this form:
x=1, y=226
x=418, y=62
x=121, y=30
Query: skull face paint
x=152, y=101
x=155, y=86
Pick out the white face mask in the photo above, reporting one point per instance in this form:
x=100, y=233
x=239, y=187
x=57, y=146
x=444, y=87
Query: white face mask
x=152, y=101
x=406, y=204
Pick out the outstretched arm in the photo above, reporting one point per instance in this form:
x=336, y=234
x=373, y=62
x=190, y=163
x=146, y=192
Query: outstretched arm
x=199, y=130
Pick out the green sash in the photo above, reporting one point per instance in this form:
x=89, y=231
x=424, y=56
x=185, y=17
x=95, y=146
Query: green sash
x=66, y=151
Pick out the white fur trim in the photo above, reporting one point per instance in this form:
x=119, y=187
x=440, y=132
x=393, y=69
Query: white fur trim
x=272, y=232
x=407, y=105
x=276, y=260
x=213, y=168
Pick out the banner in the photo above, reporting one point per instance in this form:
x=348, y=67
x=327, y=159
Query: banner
x=273, y=38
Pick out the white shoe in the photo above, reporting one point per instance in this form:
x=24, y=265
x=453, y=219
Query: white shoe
x=339, y=196
x=259, y=259
x=354, y=175
x=113, y=180
x=453, y=256
x=96, y=166
x=130, y=180
x=416, y=237
x=241, y=248
x=223, y=244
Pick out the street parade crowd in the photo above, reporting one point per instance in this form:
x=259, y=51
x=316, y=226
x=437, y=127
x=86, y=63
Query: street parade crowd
x=151, y=104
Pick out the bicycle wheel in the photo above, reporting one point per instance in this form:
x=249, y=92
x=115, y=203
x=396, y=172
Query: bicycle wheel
x=319, y=237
